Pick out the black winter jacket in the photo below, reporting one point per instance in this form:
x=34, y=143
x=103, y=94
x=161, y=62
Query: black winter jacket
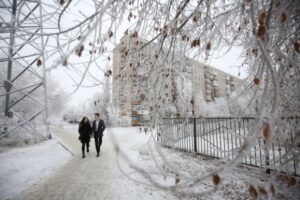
x=85, y=131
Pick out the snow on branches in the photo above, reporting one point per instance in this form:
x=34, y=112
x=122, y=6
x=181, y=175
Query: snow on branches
x=266, y=30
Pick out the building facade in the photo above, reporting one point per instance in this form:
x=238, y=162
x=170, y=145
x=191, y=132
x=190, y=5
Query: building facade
x=146, y=84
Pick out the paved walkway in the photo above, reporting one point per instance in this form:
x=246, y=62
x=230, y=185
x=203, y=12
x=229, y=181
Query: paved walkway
x=94, y=178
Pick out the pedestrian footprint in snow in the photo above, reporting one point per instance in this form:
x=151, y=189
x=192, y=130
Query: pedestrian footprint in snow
x=85, y=131
x=98, y=128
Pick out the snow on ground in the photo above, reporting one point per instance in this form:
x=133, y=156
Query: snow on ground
x=235, y=181
x=96, y=178
x=101, y=178
x=21, y=168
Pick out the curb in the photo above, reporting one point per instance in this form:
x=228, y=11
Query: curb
x=65, y=147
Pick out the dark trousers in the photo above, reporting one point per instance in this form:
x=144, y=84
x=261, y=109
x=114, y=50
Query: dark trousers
x=98, y=142
x=83, y=145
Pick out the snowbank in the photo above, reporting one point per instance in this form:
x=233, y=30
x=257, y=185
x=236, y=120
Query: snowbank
x=23, y=167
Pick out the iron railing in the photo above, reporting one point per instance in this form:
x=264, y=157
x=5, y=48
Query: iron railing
x=224, y=137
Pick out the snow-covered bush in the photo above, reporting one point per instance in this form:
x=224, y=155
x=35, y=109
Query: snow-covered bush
x=236, y=105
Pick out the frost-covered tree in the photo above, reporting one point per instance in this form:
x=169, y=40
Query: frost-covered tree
x=101, y=101
x=266, y=30
x=58, y=99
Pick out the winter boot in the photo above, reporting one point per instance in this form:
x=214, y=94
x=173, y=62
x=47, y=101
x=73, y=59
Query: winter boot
x=83, y=156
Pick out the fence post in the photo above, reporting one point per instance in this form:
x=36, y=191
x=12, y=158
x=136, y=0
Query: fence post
x=267, y=157
x=195, y=136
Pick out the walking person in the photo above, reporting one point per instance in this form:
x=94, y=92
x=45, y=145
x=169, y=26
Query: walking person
x=98, y=128
x=85, y=131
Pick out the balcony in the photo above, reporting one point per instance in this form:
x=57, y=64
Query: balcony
x=136, y=102
x=134, y=75
x=123, y=113
x=134, y=112
x=135, y=123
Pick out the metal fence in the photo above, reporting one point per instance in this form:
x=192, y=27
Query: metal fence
x=224, y=137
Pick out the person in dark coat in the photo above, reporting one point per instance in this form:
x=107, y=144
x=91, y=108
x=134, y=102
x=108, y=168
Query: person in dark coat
x=98, y=128
x=85, y=131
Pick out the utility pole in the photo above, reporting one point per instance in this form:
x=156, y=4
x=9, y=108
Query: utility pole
x=44, y=72
x=7, y=83
x=23, y=48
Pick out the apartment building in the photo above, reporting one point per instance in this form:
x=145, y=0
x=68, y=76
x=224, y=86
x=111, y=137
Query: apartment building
x=146, y=84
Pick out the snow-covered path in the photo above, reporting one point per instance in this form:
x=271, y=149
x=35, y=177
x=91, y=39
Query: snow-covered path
x=92, y=177
x=100, y=178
